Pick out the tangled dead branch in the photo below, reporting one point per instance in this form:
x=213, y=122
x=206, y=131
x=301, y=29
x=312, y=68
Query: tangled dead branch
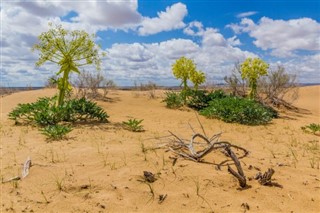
x=184, y=149
x=187, y=149
x=240, y=175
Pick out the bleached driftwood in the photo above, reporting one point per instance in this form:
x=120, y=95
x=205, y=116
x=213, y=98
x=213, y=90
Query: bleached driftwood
x=24, y=173
x=26, y=167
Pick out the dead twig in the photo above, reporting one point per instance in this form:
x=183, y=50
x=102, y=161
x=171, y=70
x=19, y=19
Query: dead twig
x=240, y=175
x=265, y=179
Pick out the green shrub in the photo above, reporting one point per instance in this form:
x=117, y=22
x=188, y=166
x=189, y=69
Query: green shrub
x=56, y=132
x=239, y=110
x=38, y=112
x=133, y=125
x=173, y=100
x=83, y=109
x=46, y=113
x=199, y=99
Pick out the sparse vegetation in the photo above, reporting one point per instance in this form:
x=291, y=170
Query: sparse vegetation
x=312, y=128
x=173, y=100
x=235, y=83
x=87, y=85
x=45, y=113
x=133, y=125
x=56, y=132
x=278, y=88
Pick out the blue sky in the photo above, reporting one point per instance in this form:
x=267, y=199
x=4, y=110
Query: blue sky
x=143, y=38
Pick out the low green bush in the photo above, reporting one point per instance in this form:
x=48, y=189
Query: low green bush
x=239, y=110
x=46, y=113
x=199, y=99
x=173, y=100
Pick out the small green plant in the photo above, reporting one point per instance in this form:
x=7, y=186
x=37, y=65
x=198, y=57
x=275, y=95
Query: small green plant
x=56, y=132
x=312, y=128
x=173, y=100
x=133, y=125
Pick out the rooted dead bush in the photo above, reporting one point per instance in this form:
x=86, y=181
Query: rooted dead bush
x=236, y=84
x=87, y=85
x=149, y=87
x=278, y=88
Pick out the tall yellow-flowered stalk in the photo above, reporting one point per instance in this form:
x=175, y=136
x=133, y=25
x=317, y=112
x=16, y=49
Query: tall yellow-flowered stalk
x=252, y=69
x=70, y=50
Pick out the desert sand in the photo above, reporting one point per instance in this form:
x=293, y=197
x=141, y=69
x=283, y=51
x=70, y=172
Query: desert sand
x=98, y=168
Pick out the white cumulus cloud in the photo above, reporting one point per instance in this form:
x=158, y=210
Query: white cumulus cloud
x=171, y=19
x=282, y=37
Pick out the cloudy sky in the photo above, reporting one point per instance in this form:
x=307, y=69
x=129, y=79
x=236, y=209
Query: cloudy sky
x=143, y=38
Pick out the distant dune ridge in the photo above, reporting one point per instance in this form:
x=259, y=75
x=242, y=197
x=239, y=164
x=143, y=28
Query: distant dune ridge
x=98, y=167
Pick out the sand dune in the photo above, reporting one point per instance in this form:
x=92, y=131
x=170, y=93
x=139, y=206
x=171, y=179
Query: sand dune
x=99, y=167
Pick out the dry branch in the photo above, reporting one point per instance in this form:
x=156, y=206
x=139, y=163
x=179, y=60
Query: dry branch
x=240, y=175
x=186, y=149
x=25, y=172
x=26, y=167
x=265, y=179
x=182, y=148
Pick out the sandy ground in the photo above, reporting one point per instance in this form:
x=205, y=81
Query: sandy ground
x=98, y=168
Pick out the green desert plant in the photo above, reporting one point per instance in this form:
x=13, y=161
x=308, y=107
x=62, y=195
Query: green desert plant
x=182, y=69
x=70, y=50
x=46, y=114
x=312, y=128
x=133, y=125
x=197, y=78
x=185, y=69
x=173, y=100
x=56, y=132
x=40, y=112
x=199, y=99
x=239, y=110
x=252, y=69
